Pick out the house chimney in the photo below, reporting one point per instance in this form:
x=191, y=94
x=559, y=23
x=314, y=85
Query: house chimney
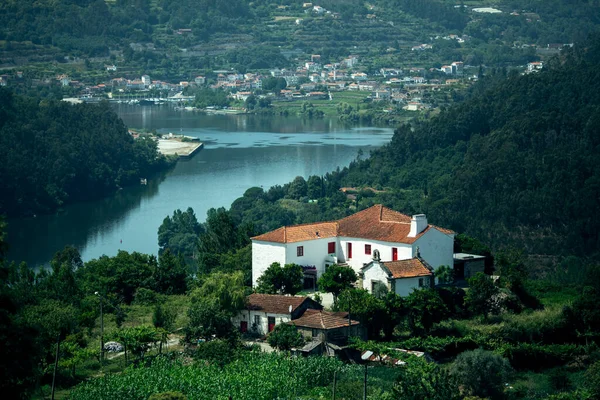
x=418, y=223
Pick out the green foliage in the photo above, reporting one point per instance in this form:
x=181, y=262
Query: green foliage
x=217, y=352
x=206, y=97
x=285, y=337
x=53, y=153
x=179, y=233
x=367, y=309
x=583, y=314
x=254, y=376
x=592, y=380
x=168, y=396
x=444, y=274
x=420, y=379
x=425, y=308
x=336, y=279
x=480, y=299
x=277, y=280
x=163, y=317
x=481, y=373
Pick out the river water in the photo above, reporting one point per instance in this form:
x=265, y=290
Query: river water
x=240, y=151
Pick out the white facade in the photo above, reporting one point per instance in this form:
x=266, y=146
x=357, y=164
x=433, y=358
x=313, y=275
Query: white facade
x=360, y=258
x=435, y=247
x=401, y=286
x=258, y=321
x=263, y=255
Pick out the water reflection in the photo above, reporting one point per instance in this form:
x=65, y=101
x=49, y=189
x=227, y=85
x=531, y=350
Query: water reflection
x=241, y=151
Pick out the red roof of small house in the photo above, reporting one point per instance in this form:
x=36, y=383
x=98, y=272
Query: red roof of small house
x=410, y=268
x=273, y=303
x=318, y=319
x=375, y=223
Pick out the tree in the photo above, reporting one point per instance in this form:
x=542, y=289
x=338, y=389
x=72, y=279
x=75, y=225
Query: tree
x=425, y=307
x=285, y=337
x=315, y=187
x=298, y=188
x=480, y=298
x=277, y=280
x=481, y=373
x=179, y=233
x=592, y=380
x=445, y=274
x=364, y=307
x=337, y=279
x=171, y=274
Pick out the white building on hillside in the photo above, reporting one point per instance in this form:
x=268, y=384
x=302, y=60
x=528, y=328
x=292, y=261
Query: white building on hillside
x=352, y=240
x=400, y=277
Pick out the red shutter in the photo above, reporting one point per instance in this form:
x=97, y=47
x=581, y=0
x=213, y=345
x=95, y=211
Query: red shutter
x=394, y=254
x=244, y=326
x=330, y=247
x=349, y=250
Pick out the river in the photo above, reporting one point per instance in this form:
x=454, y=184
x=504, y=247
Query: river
x=240, y=151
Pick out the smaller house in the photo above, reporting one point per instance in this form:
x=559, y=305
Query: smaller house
x=326, y=331
x=399, y=277
x=467, y=265
x=264, y=311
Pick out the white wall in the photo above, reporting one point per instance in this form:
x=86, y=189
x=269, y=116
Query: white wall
x=406, y=285
x=263, y=328
x=436, y=248
x=359, y=258
x=374, y=273
x=315, y=252
x=263, y=255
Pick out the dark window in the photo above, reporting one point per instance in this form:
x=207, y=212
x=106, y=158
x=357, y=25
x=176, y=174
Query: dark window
x=271, y=323
x=367, y=249
x=421, y=282
x=349, y=245
x=300, y=251
x=244, y=326
x=331, y=247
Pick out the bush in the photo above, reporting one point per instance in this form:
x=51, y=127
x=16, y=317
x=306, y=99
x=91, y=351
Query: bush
x=145, y=297
x=285, y=337
x=481, y=373
x=219, y=352
x=536, y=357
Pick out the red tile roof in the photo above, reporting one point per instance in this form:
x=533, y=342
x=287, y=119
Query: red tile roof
x=375, y=223
x=321, y=320
x=407, y=268
x=273, y=303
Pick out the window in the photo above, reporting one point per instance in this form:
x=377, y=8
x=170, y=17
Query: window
x=421, y=282
x=331, y=247
x=244, y=326
x=314, y=332
x=367, y=249
x=300, y=251
x=349, y=247
x=257, y=320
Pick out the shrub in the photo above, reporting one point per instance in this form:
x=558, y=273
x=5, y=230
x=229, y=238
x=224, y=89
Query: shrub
x=285, y=337
x=481, y=373
x=145, y=297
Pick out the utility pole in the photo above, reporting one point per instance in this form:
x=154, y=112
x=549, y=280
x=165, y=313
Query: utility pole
x=101, y=331
x=334, y=383
x=55, y=365
x=365, y=387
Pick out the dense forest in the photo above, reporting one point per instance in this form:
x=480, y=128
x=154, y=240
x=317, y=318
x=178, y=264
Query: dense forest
x=514, y=164
x=53, y=153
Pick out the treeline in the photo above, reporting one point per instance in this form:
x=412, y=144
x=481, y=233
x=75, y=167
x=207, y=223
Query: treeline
x=53, y=153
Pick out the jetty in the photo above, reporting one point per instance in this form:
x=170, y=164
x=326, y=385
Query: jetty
x=179, y=145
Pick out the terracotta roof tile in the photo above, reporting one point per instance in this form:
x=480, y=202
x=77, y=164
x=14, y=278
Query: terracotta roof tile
x=375, y=223
x=321, y=320
x=275, y=304
x=407, y=268
x=300, y=233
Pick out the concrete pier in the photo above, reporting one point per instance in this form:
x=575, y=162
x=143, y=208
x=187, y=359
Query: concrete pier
x=175, y=146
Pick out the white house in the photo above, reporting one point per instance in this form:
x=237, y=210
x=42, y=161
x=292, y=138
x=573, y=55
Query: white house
x=264, y=311
x=352, y=240
x=399, y=277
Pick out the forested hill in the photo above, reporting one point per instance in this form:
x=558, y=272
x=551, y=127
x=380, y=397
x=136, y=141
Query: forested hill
x=517, y=163
x=53, y=153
